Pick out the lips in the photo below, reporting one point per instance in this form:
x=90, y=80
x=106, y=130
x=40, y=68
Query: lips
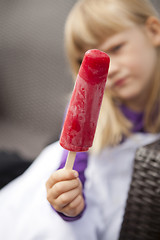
x=120, y=82
x=117, y=82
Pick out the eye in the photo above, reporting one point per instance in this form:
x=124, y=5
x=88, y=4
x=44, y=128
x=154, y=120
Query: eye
x=116, y=48
x=79, y=61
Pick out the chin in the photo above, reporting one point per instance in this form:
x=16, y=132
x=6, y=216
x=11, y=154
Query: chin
x=128, y=95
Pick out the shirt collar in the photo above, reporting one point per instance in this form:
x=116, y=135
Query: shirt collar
x=136, y=118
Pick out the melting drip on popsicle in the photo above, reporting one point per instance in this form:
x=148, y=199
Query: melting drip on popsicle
x=81, y=120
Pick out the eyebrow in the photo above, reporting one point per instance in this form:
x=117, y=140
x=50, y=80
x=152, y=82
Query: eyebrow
x=110, y=43
x=113, y=45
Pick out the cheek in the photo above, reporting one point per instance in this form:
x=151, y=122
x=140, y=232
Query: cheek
x=148, y=67
x=142, y=64
x=133, y=65
x=147, y=60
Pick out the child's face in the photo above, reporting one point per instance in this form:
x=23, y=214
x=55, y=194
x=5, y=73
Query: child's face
x=133, y=59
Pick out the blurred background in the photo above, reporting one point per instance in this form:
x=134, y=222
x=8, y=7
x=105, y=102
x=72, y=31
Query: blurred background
x=34, y=77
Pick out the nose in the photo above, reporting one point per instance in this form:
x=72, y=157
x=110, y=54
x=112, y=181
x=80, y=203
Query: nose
x=113, y=69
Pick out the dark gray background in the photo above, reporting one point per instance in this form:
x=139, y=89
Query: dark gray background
x=34, y=78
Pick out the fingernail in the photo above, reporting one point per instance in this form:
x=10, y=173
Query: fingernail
x=76, y=174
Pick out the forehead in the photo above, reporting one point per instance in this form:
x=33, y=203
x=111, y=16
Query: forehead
x=125, y=35
x=91, y=25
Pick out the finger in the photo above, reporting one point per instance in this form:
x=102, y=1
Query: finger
x=61, y=175
x=75, y=207
x=65, y=198
x=64, y=186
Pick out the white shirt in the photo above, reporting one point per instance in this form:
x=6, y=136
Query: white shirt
x=25, y=214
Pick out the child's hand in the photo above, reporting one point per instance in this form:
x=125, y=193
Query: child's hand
x=64, y=192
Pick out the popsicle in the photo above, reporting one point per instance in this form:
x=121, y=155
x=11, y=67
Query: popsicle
x=81, y=119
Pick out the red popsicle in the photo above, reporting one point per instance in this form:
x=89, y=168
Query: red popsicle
x=83, y=111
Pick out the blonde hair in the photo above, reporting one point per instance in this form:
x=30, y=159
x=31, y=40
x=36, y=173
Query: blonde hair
x=88, y=25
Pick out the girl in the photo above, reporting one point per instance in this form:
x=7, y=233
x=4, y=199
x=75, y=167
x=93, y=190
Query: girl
x=129, y=31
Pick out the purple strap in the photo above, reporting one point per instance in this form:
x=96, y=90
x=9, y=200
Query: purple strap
x=136, y=118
